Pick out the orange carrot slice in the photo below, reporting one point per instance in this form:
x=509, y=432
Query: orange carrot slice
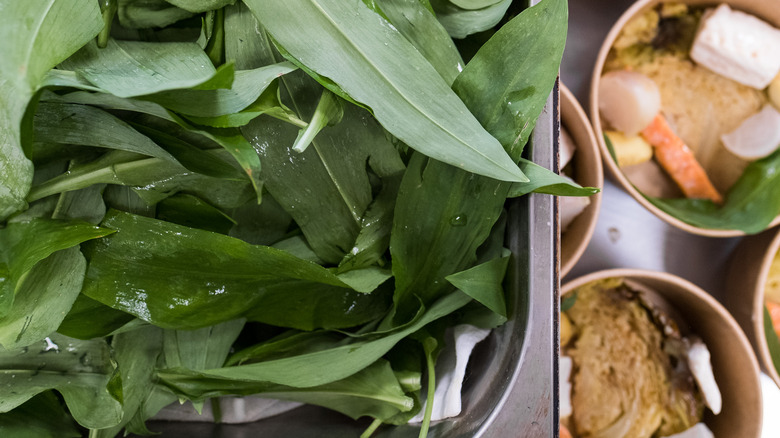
x=679, y=162
x=774, y=313
x=565, y=432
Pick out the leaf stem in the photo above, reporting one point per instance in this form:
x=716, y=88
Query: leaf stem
x=429, y=345
x=108, y=11
x=372, y=428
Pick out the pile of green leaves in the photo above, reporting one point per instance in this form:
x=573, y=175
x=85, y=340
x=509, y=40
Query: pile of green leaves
x=288, y=199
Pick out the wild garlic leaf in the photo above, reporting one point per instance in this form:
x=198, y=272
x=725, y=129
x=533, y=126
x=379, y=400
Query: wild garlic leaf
x=184, y=278
x=144, y=14
x=41, y=416
x=231, y=140
x=136, y=68
x=474, y=4
x=332, y=364
x=24, y=244
x=34, y=37
x=43, y=299
x=420, y=26
x=247, y=87
x=444, y=210
x=461, y=22
x=546, y=181
x=201, y=5
x=484, y=283
x=373, y=391
x=359, y=51
x=79, y=370
x=152, y=178
x=136, y=354
x=90, y=126
x=332, y=189
x=90, y=319
x=200, y=349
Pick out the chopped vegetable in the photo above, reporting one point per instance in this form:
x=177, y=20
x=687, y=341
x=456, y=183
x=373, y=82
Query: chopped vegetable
x=628, y=100
x=757, y=137
x=678, y=160
x=629, y=150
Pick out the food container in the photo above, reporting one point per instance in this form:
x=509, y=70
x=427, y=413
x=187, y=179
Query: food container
x=588, y=172
x=747, y=276
x=734, y=364
x=765, y=10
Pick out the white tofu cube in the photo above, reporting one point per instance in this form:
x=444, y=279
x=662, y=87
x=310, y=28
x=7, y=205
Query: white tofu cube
x=738, y=46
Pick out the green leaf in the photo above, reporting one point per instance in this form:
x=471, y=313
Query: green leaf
x=444, y=210
x=359, y=52
x=568, y=301
x=34, y=37
x=89, y=126
x=548, y=182
x=325, y=366
x=201, y=5
x=136, y=354
x=135, y=68
x=374, y=237
x=750, y=206
x=43, y=299
x=420, y=26
x=86, y=205
x=484, y=283
x=193, y=212
x=373, y=391
x=247, y=87
x=260, y=224
x=24, y=244
x=89, y=319
x=269, y=103
x=332, y=189
x=230, y=140
x=474, y=4
x=772, y=340
x=79, y=370
x=329, y=112
x=289, y=343
x=178, y=277
x=520, y=87
x=143, y=14
x=41, y=417
x=462, y=22
x=153, y=178
x=201, y=349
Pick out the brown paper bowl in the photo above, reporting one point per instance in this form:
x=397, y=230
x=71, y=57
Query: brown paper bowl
x=589, y=173
x=764, y=9
x=747, y=275
x=734, y=364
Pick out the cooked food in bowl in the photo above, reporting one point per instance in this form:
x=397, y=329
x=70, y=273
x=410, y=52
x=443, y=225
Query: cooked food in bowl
x=632, y=371
x=687, y=102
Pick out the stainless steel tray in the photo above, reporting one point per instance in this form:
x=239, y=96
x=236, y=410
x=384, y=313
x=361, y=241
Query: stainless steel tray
x=511, y=384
